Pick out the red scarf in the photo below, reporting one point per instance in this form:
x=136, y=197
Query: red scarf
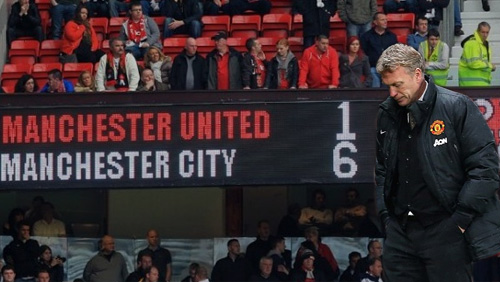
x=120, y=80
x=137, y=30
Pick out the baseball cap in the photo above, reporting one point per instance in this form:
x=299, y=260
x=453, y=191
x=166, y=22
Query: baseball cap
x=220, y=35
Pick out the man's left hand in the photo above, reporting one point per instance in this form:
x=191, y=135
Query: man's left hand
x=461, y=229
x=175, y=24
x=332, y=86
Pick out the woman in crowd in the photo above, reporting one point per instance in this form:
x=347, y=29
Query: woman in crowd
x=79, y=42
x=26, y=84
x=149, y=83
x=9, y=228
x=354, y=66
x=53, y=265
x=159, y=63
x=283, y=71
x=86, y=82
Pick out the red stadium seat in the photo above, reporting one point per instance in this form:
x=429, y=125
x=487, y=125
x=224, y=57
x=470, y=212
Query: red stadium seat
x=24, y=51
x=214, y=24
x=296, y=46
x=43, y=5
x=338, y=40
x=281, y=10
x=243, y=25
x=45, y=17
x=402, y=39
x=276, y=25
x=115, y=25
x=205, y=45
x=237, y=43
x=100, y=26
x=401, y=20
x=268, y=44
x=12, y=72
x=49, y=51
x=336, y=22
x=105, y=46
x=9, y=89
x=173, y=45
x=71, y=71
x=40, y=70
x=297, y=25
x=160, y=22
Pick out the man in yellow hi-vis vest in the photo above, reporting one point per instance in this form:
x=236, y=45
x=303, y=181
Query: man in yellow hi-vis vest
x=436, y=54
x=475, y=65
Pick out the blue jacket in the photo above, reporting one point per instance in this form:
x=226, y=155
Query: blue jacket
x=67, y=84
x=373, y=44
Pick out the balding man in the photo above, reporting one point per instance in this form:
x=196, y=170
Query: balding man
x=161, y=256
x=107, y=265
x=189, y=71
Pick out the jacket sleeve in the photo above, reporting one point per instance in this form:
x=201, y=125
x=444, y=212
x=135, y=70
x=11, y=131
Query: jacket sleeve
x=246, y=70
x=443, y=62
x=373, y=7
x=295, y=73
x=87, y=271
x=380, y=173
x=270, y=73
x=174, y=71
x=367, y=72
x=304, y=68
x=154, y=32
x=73, y=31
x=472, y=56
x=334, y=64
x=14, y=18
x=480, y=162
x=196, y=13
x=165, y=69
x=100, y=74
x=95, y=41
x=34, y=15
x=341, y=7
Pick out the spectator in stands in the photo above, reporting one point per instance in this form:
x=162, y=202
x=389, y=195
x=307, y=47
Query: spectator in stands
x=15, y=215
x=97, y=8
x=162, y=259
x=108, y=265
x=152, y=275
x=281, y=264
x=326, y=260
x=475, y=66
x=26, y=84
x=182, y=17
x=349, y=275
x=48, y=225
x=374, y=272
x=349, y=216
x=354, y=66
x=61, y=9
x=319, y=66
x=85, y=83
x=265, y=272
x=22, y=253
x=375, y=41
x=436, y=54
x=24, y=20
x=420, y=35
x=395, y=6
x=144, y=263
x=43, y=276
x=371, y=226
x=8, y=273
x=357, y=14
x=192, y=273
x=289, y=224
x=34, y=213
x=374, y=252
x=316, y=18
x=149, y=83
x=486, y=5
x=433, y=11
x=201, y=274
x=150, y=7
x=140, y=32
x=234, y=267
x=56, y=83
x=306, y=269
x=224, y=65
x=254, y=66
x=236, y=7
x=317, y=214
x=261, y=246
x=117, y=70
x=159, y=63
x=283, y=69
x=116, y=7
x=53, y=265
x=458, y=18
x=189, y=70
x=79, y=43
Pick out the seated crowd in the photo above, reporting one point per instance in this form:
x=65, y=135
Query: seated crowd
x=138, y=47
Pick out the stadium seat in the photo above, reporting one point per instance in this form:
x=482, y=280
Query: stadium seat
x=12, y=72
x=205, y=45
x=49, y=51
x=276, y=25
x=296, y=46
x=268, y=44
x=45, y=18
x=115, y=25
x=9, y=89
x=173, y=45
x=43, y=5
x=336, y=22
x=245, y=26
x=160, y=22
x=297, y=25
x=214, y=24
x=71, y=71
x=40, y=71
x=237, y=43
x=338, y=40
x=100, y=26
x=402, y=38
x=401, y=20
x=281, y=6
x=24, y=51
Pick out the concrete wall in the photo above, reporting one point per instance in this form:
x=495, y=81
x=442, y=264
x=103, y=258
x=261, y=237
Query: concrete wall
x=4, y=15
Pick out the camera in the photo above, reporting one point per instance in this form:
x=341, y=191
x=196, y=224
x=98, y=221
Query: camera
x=61, y=258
